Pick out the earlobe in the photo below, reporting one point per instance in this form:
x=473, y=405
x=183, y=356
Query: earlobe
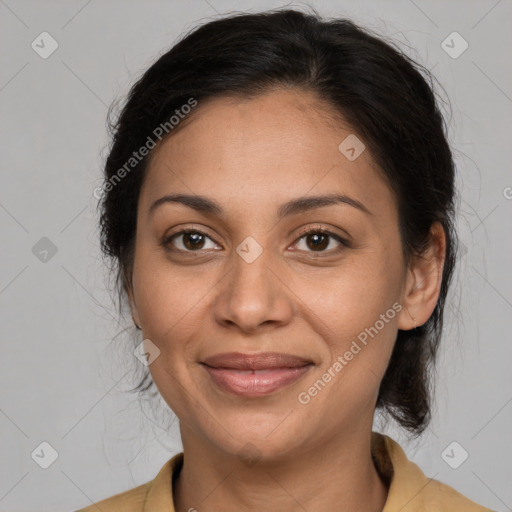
x=423, y=282
x=406, y=321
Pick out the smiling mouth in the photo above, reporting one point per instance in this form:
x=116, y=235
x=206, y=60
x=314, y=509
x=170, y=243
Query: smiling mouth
x=254, y=383
x=258, y=361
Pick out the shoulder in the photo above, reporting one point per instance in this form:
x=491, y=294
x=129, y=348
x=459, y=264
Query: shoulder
x=132, y=500
x=410, y=489
x=443, y=498
x=153, y=496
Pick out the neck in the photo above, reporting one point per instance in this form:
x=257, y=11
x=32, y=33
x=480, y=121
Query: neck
x=338, y=476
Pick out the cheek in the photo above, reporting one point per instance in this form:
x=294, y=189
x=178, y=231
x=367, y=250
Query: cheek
x=359, y=306
x=350, y=298
x=170, y=299
x=362, y=329
x=171, y=305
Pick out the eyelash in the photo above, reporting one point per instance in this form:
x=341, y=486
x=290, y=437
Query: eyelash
x=309, y=231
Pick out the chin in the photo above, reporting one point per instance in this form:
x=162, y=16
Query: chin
x=250, y=439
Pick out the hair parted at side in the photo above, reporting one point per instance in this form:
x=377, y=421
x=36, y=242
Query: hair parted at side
x=383, y=95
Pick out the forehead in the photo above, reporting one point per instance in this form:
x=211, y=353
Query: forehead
x=269, y=148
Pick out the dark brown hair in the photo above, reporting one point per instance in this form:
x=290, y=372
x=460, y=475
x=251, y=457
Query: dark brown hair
x=384, y=96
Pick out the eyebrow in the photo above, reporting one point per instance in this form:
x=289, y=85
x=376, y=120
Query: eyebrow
x=210, y=207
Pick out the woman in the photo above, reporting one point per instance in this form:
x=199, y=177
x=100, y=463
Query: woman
x=279, y=201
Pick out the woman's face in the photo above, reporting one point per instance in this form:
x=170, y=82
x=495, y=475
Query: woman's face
x=255, y=282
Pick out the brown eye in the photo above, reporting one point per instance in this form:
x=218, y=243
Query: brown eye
x=319, y=240
x=188, y=241
x=193, y=241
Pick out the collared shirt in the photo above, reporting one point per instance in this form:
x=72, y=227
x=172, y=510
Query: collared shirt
x=409, y=490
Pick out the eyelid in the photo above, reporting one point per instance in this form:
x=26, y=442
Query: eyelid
x=304, y=232
x=344, y=242
x=318, y=228
x=167, y=238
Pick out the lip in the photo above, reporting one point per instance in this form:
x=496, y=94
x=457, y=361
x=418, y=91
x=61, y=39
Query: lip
x=253, y=375
x=261, y=361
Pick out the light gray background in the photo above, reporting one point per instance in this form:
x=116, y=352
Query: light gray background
x=62, y=378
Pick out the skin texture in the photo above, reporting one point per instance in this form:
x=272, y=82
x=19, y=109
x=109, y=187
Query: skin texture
x=251, y=156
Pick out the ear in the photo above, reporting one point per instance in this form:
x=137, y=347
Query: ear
x=423, y=282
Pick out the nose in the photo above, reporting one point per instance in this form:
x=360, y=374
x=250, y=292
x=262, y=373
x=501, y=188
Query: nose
x=253, y=295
